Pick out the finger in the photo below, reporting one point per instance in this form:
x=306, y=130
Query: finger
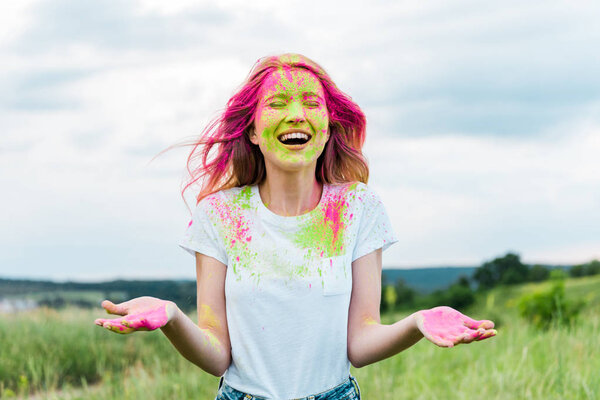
x=472, y=335
x=488, y=334
x=474, y=324
x=116, y=309
x=486, y=324
x=117, y=327
x=113, y=325
x=137, y=324
x=103, y=322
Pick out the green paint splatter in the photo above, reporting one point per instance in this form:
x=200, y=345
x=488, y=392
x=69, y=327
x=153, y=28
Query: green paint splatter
x=243, y=198
x=325, y=234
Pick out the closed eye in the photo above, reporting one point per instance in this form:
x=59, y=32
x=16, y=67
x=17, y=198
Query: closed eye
x=276, y=104
x=313, y=103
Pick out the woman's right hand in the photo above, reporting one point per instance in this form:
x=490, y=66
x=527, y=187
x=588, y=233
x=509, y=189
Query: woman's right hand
x=139, y=314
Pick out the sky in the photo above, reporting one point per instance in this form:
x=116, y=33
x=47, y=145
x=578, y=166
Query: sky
x=483, y=124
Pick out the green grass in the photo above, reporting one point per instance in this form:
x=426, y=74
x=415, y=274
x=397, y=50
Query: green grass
x=62, y=355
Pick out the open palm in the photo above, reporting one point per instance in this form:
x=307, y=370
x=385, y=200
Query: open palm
x=446, y=327
x=139, y=314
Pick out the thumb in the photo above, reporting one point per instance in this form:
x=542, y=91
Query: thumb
x=112, y=308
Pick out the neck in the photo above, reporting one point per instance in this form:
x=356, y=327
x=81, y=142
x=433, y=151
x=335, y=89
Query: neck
x=290, y=193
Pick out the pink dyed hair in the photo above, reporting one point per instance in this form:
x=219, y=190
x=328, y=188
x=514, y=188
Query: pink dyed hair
x=224, y=157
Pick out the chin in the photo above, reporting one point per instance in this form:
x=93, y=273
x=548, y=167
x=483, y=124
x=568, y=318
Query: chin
x=291, y=166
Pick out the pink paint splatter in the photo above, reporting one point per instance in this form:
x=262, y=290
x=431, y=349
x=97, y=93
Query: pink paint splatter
x=333, y=216
x=233, y=217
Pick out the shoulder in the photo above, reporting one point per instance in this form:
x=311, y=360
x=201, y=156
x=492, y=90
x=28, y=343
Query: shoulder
x=235, y=196
x=226, y=204
x=354, y=192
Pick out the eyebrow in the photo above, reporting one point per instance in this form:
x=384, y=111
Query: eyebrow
x=279, y=96
x=311, y=94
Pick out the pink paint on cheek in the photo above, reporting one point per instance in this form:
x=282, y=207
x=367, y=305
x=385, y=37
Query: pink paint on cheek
x=190, y=224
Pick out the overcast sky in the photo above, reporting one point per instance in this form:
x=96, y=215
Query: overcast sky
x=483, y=123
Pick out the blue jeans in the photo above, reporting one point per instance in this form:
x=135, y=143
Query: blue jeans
x=347, y=390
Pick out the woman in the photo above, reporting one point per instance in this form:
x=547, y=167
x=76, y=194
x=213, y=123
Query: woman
x=288, y=241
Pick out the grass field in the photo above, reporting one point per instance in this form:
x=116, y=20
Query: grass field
x=46, y=354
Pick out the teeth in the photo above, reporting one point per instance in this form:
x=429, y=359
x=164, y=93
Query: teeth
x=294, y=135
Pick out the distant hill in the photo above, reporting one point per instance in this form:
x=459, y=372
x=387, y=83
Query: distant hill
x=426, y=280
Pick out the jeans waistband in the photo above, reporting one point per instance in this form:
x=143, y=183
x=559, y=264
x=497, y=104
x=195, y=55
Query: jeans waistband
x=348, y=389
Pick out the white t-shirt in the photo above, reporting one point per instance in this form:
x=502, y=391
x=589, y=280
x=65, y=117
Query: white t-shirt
x=288, y=283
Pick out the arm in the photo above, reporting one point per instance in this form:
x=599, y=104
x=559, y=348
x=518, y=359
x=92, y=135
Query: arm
x=205, y=344
x=369, y=341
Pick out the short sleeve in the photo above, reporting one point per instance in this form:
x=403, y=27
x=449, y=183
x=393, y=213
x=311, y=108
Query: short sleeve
x=201, y=236
x=375, y=228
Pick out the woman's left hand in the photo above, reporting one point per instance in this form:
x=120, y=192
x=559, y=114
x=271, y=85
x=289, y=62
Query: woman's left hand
x=446, y=327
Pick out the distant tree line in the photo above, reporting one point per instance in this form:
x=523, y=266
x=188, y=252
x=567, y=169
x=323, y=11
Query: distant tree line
x=505, y=270
x=591, y=268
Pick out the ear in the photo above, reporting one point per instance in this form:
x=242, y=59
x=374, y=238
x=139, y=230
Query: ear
x=252, y=136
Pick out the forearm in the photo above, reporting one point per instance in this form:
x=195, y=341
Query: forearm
x=371, y=341
x=202, y=347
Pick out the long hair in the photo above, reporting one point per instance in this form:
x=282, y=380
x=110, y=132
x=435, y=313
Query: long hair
x=223, y=157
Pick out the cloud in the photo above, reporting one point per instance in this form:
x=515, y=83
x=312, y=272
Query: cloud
x=482, y=122
x=453, y=196
x=115, y=24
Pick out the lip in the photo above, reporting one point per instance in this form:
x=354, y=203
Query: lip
x=295, y=146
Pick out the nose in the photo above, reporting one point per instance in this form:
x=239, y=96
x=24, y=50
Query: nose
x=296, y=113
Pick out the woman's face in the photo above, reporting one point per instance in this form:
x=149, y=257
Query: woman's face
x=291, y=121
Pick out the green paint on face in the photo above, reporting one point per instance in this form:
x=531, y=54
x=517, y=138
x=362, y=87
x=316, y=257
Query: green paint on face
x=291, y=100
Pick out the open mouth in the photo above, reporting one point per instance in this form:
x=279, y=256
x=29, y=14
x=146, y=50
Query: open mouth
x=294, y=138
